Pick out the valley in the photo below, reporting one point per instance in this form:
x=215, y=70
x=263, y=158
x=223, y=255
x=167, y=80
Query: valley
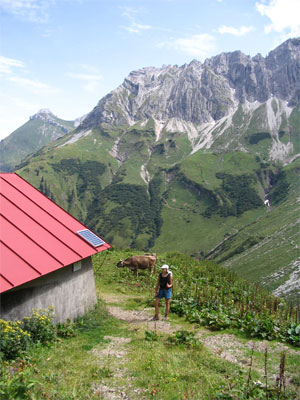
x=183, y=159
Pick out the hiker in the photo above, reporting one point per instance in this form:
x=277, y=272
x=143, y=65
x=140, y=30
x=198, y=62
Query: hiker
x=163, y=289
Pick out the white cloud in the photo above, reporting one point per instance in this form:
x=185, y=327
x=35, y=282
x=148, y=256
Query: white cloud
x=32, y=10
x=201, y=46
x=85, y=77
x=90, y=78
x=33, y=85
x=243, y=30
x=7, y=65
x=283, y=14
x=130, y=14
x=91, y=86
x=136, y=28
x=11, y=70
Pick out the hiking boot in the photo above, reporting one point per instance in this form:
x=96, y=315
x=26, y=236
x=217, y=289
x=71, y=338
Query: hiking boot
x=155, y=318
x=165, y=318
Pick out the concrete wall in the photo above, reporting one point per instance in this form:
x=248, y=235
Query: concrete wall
x=71, y=291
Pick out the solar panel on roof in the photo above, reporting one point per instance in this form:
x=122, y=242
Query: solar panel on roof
x=90, y=237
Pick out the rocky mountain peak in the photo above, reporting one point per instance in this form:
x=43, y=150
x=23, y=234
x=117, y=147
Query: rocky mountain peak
x=289, y=48
x=199, y=93
x=43, y=114
x=196, y=98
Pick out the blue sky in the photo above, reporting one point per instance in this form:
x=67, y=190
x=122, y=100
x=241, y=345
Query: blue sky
x=66, y=55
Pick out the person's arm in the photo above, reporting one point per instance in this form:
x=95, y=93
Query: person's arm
x=157, y=285
x=170, y=284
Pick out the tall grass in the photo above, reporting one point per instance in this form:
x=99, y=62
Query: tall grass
x=216, y=297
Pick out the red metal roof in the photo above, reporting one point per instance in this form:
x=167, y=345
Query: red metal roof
x=36, y=235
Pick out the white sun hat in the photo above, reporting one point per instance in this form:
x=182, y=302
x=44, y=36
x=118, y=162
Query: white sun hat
x=165, y=266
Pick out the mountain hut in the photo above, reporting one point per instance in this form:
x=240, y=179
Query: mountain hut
x=45, y=255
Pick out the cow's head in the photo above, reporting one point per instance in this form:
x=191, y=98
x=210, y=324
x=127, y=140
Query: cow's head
x=120, y=264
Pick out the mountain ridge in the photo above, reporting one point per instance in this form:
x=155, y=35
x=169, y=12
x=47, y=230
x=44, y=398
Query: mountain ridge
x=201, y=99
x=144, y=171
x=42, y=128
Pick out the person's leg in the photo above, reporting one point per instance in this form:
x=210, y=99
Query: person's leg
x=167, y=308
x=156, y=304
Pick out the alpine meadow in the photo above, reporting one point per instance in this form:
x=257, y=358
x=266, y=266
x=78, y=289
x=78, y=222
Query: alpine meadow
x=194, y=166
x=183, y=159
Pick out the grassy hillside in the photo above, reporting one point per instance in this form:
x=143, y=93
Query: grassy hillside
x=155, y=196
x=272, y=241
x=29, y=138
x=192, y=356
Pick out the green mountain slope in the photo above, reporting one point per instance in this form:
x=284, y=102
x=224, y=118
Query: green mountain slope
x=267, y=249
x=41, y=129
x=155, y=196
x=184, y=157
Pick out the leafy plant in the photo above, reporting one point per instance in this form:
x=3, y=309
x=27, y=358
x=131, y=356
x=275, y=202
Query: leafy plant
x=151, y=336
x=238, y=389
x=40, y=325
x=65, y=329
x=184, y=337
x=293, y=334
x=16, y=384
x=218, y=299
x=14, y=340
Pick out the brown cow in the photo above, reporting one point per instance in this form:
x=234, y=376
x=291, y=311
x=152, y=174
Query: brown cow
x=139, y=262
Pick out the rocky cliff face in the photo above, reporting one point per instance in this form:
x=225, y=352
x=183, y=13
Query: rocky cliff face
x=230, y=94
x=191, y=92
x=201, y=93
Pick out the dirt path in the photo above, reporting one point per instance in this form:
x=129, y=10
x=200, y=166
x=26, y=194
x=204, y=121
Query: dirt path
x=226, y=346
x=141, y=319
x=111, y=360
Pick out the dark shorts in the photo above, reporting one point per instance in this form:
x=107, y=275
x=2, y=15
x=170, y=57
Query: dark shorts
x=166, y=293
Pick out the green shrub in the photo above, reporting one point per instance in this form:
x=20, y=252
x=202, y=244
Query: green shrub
x=186, y=338
x=14, y=340
x=15, y=383
x=237, y=194
x=151, y=336
x=218, y=299
x=238, y=389
x=65, y=330
x=280, y=189
x=40, y=325
x=261, y=326
x=293, y=334
x=217, y=319
x=258, y=137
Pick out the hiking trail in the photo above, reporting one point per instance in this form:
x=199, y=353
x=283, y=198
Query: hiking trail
x=113, y=355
